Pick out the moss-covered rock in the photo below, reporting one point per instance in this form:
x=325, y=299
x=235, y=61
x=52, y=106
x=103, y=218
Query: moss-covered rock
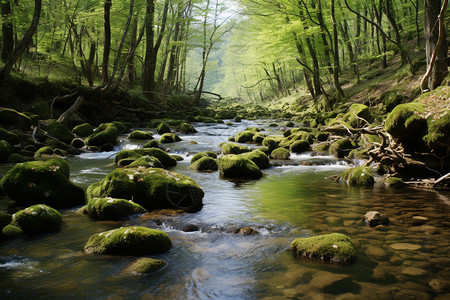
x=146, y=161
x=44, y=151
x=146, y=265
x=230, y=148
x=60, y=152
x=322, y=136
x=121, y=126
x=112, y=208
x=358, y=176
x=60, y=131
x=9, y=136
x=152, y=144
x=258, y=138
x=169, y=138
x=177, y=157
x=163, y=128
x=359, y=153
x=205, y=163
x=77, y=143
x=44, y=182
x=245, y=136
x=333, y=248
x=391, y=99
x=271, y=142
x=342, y=147
x=187, y=128
x=105, y=134
x=297, y=136
x=12, y=118
x=161, y=155
x=56, y=144
x=258, y=157
x=151, y=188
x=322, y=147
x=5, y=150
x=16, y=158
x=140, y=135
x=300, y=146
x=236, y=166
x=356, y=113
x=36, y=219
x=280, y=154
x=438, y=132
x=11, y=232
x=133, y=240
x=394, y=182
x=83, y=130
x=203, y=154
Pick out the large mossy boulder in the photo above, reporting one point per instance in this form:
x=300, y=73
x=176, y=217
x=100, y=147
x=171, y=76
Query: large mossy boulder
x=167, y=138
x=140, y=135
x=45, y=151
x=60, y=131
x=245, y=136
x=113, y=208
x=358, y=176
x=203, y=154
x=12, y=118
x=205, y=164
x=230, y=148
x=258, y=157
x=146, y=161
x=439, y=133
x=37, y=219
x=83, y=130
x=152, y=144
x=342, y=147
x=300, y=146
x=105, y=134
x=358, y=115
x=258, y=137
x=333, y=248
x=5, y=151
x=236, y=166
x=297, y=136
x=187, y=128
x=9, y=136
x=161, y=155
x=45, y=182
x=163, y=128
x=271, y=142
x=280, y=154
x=133, y=240
x=151, y=188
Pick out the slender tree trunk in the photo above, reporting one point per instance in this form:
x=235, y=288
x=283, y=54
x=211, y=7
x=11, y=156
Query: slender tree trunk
x=131, y=70
x=107, y=44
x=337, y=85
x=7, y=30
x=148, y=76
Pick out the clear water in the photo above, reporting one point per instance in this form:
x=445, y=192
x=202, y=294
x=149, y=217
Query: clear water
x=215, y=263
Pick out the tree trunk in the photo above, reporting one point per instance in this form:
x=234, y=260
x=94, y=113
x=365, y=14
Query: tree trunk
x=440, y=69
x=107, y=45
x=337, y=85
x=7, y=30
x=24, y=43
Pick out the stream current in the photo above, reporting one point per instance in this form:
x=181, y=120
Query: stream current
x=407, y=259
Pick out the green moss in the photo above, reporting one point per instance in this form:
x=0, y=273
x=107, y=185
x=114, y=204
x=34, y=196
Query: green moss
x=112, y=209
x=237, y=119
x=161, y=155
x=229, y=148
x=5, y=150
x=258, y=157
x=44, y=151
x=236, y=166
x=254, y=129
x=244, y=136
x=152, y=144
x=147, y=265
x=297, y=136
x=146, y=161
x=391, y=99
x=355, y=113
x=77, y=143
x=342, y=147
x=259, y=138
x=105, y=134
x=60, y=152
x=359, y=153
x=271, y=142
x=322, y=136
x=438, y=132
x=60, y=131
x=9, y=136
x=122, y=127
x=323, y=147
x=140, y=135
x=16, y=158
x=44, y=182
x=187, y=128
x=280, y=154
x=358, y=176
x=5, y=219
x=203, y=154
x=37, y=219
x=177, y=157
x=134, y=240
x=12, y=118
x=11, y=232
x=83, y=130
x=205, y=163
x=394, y=182
x=152, y=188
x=163, y=128
x=169, y=138
x=334, y=248
x=264, y=150
x=300, y=146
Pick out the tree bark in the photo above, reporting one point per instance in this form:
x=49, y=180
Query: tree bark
x=107, y=43
x=7, y=30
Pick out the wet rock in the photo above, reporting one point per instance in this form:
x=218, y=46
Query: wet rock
x=405, y=246
x=374, y=218
x=334, y=248
x=167, y=138
x=394, y=182
x=236, y=166
x=140, y=135
x=419, y=220
x=358, y=176
x=112, y=209
x=333, y=220
x=205, y=164
x=187, y=128
x=258, y=157
x=230, y=148
x=163, y=128
x=83, y=130
x=280, y=154
x=384, y=272
x=401, y=293
x=413, y=271
x=38, y=182
x=133, y=240
x=247, y=231
x=203, y=154
x=322, y=279
x=146, y=161
x=106, y=133
x=11, y=232
x=37, y=219
x=152, y=188
x=427, y=229
x=161, y=155
x=191, y=228
x=376, y=252
x=145, y=265
x=440, y=285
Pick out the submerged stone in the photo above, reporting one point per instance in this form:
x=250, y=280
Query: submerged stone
x=37, y=219
x=334, y=248
x=374, y=218
x=146, y=265
x=134, y=240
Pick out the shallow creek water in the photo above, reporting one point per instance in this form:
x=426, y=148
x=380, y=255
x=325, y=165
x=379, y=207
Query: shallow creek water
x=396, y=262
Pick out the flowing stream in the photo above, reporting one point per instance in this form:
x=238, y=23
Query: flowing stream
x=398, y=261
